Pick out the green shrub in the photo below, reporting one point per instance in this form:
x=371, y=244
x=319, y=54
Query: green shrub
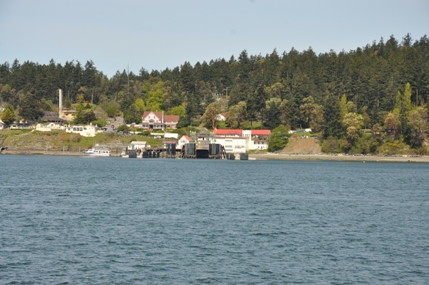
x=278, y=139
x=196, y=123
x=345, y=145
x=123, y=128
x=100, y=123
x=331, y=145
x=222, y=125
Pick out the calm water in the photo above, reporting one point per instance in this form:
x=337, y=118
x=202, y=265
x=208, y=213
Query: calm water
x=76, y=220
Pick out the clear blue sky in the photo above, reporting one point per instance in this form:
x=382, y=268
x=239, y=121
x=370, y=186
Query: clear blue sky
x=165, y=33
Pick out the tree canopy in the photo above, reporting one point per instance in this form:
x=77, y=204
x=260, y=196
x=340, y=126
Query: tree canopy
x=382, y=83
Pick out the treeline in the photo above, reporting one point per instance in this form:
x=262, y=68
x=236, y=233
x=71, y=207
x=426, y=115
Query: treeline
x=294, y=89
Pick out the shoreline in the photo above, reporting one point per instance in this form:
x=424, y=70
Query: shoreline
x=334, y=157
x=259, y=156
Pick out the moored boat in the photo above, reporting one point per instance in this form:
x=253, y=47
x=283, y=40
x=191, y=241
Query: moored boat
x=96, y=151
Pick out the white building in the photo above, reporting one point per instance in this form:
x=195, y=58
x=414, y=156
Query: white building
x=85, y=131
x=49, y=127
x=235, y=140
x=136, y=145
x=157, y=120
x=220, y=117
x=1, y=125
x=258, y=139
x=231, y=144
x=165, y=135
x=182, y=141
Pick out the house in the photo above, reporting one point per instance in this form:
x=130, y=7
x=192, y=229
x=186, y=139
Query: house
x=1, y=125
x=182, y=141
x=49, y=116
x=49, y=127
x=21, y=125
x=220, y=117
x=157, y=120
x=85, y=131
x=137, y=145
x=68, y=114
x=300, y=131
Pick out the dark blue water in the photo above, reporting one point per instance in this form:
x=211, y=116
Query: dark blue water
x=75, y=220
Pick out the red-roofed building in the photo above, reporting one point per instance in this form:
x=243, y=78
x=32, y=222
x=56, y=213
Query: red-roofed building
x=261, y=132
x=182, y=141
x=235, y=140
x=226, y=132
x=157, y=120
x=221, y=117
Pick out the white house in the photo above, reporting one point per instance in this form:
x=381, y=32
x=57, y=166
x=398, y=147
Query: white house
x=220, y=117
x=68, y=114
x=182, y=141
x=157, y=120
x=85, y=131
x=300, y=131
x=136, y=145
x=49, y=127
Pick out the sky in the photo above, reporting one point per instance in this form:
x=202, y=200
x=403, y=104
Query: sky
x=159, y=34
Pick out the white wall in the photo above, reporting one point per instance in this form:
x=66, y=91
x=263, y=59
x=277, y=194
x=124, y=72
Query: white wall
x=183, y=140
x=137, y=145
x=85, y=131
x=232, y=144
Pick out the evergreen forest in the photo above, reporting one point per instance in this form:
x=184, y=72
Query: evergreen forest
x=373, y=99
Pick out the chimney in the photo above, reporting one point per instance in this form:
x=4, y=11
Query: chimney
x=60, y=103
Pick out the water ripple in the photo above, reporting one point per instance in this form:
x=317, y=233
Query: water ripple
x=71, y=220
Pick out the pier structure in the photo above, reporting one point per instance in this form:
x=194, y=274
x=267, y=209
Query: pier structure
x=201, y=146
x=168, y=150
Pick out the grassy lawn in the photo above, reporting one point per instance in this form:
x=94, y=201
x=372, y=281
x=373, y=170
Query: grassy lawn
x=58, y=139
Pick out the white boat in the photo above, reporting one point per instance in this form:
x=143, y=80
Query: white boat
x=97, y=152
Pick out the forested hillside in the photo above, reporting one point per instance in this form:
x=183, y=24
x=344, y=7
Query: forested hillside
x=364, y=100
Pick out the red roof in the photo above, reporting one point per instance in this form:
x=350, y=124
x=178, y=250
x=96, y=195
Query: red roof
x=186, y=138
x=230, y=137
x=158, y=114
x=167, y=118
x=171, y=118
x=261, y=132
x=227, y=132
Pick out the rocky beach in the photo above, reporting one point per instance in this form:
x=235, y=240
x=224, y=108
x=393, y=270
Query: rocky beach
x=340, y=157
x=258, y=156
